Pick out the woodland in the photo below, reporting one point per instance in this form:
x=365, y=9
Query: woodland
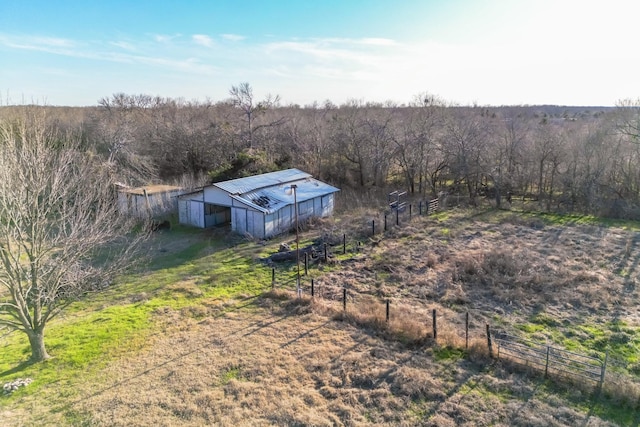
x=567, y=159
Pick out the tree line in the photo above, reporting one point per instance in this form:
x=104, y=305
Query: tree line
x=567, y=159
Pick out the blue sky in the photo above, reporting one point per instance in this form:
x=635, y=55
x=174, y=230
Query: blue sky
x=489, y=52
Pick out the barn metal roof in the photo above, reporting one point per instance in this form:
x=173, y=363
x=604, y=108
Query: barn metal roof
x=268, y=192
x=270, y=199
x=256, y=182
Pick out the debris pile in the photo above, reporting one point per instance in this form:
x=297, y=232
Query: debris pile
x=12, y=386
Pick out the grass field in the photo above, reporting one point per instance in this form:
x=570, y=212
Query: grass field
x=194, y=336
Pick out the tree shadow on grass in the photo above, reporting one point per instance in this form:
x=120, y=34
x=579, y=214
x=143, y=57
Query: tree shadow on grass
x=18, y=368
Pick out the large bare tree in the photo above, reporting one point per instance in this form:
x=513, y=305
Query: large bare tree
x=61, y=235
x=242, y=97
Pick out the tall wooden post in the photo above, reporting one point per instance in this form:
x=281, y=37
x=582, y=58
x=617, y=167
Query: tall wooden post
x=435, y=326
x=546, y=365
x=466, y=331
x=489, y=342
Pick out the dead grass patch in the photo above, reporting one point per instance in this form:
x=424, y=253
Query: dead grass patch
x=187, y=288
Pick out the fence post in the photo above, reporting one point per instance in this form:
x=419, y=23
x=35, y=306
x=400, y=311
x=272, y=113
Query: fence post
x=373, y=227
x=604, y=370
x=325, y=253
x=344, y=299
x=385, y=222
x=312, y=290
x=546, y=366
x=273, y=278
x=466, y=331
x=409, y=211
x=306, y=263
x=489, y=342
x=344, y=243
x=397, y=216
x=435, y=327
x=420, y=207
x=387, y=311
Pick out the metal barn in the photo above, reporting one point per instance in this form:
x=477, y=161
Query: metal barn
x=260, y=205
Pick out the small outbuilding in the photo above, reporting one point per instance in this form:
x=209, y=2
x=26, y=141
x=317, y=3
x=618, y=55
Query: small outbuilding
x=260, y=205
x=150, y=200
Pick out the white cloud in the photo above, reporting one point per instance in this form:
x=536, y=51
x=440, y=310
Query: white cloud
x=232, y=37
x=202, y=40
x=165, y=38
x=123, y=45
x=36, y=43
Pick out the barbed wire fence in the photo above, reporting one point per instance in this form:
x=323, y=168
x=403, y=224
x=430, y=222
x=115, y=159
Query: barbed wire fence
x=462, y=329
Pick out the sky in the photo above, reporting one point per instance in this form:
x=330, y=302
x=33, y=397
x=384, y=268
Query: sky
x=483, y=52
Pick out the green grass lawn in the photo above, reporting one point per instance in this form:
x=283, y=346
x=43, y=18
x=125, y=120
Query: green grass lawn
x=110, y=324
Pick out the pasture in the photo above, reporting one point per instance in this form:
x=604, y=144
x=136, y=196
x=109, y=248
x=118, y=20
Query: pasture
x=196, y=335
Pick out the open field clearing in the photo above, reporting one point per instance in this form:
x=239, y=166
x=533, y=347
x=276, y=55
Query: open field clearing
x=196, y=338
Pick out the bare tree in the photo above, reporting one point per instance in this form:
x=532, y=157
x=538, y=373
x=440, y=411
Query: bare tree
x=466, y=141
x=61, y=235
x=242, y=97
x=117, y=129
x=548, y=152
x=416, y=146
x=628, y=118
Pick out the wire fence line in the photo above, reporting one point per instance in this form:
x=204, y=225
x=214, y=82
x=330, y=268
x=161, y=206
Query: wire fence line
x=544, y=358
x=552, y=359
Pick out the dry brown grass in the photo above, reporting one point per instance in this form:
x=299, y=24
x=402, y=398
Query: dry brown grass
x=302, y=361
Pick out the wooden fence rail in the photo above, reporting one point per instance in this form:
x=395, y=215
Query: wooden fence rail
x=433, y=206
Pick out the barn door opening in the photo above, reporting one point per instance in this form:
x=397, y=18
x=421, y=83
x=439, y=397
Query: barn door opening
x=215, y=215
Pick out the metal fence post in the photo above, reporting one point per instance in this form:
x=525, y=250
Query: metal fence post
x=273, y=278
x=489, y=342
x=387, y=311
x=344, y=299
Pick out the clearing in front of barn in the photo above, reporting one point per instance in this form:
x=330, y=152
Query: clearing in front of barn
x=197, y=336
